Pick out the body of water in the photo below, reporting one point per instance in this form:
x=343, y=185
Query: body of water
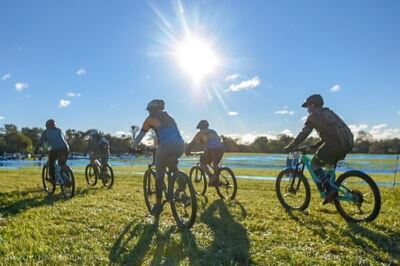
x=370, y=163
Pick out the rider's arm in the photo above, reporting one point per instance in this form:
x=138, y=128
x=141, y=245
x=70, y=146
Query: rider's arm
x=318, y=144
x=305, y=132
x=196, y=138
x=146, y=126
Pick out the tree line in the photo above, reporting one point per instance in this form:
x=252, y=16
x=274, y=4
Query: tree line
x=13, y=140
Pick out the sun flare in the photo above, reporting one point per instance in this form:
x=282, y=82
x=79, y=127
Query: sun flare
x=196, y=57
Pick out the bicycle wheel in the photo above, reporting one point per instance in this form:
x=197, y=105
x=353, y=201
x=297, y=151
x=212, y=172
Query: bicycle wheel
x=228, y=187
x=91, y=174
x=293, y=190
x=68, y=184
x=149, y=188
x=359, y=199
x=199, y=180
x=183, y=202
x=48, y=186
x=108, y=176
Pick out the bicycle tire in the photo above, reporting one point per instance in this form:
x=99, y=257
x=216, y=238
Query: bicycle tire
x=109, y=182
x=47, y=185
x=301, y=180
x=68, y=188
x=375, y=192
x=199, y=180
x=181, y=199
x=149, y=188
x=226, y=184
x=91, y=175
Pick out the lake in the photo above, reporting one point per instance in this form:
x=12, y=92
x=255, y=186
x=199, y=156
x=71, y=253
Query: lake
x=370, y=163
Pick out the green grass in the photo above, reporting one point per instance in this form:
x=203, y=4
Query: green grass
x=101, y=226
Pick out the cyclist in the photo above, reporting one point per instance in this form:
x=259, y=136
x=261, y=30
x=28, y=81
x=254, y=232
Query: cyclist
x=213, y=149
x=55, y=138
x=336, y=140
x=170, y=144
x=98, y=148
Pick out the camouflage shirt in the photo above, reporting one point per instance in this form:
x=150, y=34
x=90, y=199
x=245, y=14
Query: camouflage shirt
x=330, y=127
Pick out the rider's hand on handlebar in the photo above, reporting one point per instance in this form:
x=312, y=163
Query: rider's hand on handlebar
x=288, y=148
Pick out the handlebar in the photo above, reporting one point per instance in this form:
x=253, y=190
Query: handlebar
x=196, y=153
x=303, y=149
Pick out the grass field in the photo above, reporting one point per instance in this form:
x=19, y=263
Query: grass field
x=101, y=226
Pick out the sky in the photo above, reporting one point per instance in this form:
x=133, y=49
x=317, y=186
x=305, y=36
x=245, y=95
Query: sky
x=245, y=66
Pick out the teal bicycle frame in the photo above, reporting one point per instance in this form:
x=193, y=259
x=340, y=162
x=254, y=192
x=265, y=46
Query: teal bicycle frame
x=344, y=192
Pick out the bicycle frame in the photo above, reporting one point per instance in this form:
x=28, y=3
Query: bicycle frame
x=344, y=192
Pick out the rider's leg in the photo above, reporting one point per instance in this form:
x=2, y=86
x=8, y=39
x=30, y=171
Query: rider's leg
x=62, y=157
x=323, y=157
x=104, y=162
x=52, y=160
x=205, y=159
x=216, y=157
x=160, y=163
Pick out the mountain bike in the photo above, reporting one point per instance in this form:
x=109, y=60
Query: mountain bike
x=95, y=170
x=228, y=184
x=358, y=199
x=179, y=192
x=64, y=177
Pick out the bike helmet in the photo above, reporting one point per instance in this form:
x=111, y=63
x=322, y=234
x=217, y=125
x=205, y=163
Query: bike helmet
x=315, y=99
x=50, y=123
x=93, y=133
x=155, y=105
x=203, y=124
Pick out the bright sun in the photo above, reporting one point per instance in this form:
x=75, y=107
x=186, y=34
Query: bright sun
x=196, y=57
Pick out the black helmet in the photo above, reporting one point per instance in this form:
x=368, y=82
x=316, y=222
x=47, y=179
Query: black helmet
x=50, y=123
x=203, y=124
x=315, y=99
x=155, y=105
x=93, y=133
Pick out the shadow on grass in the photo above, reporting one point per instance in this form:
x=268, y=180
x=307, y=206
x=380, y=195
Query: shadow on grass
x=231, y=243
x=23, y=200
x=372, y=241
x=144, y=234
x=147, y=243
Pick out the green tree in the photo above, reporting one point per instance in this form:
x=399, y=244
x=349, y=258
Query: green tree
x=260, y=144
x=33, y=133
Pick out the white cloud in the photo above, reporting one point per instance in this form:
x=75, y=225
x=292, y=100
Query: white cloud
x=6, y=76
x=248, y=138
x=21, y=86
x=81, y=72
x=73, y=94
x=232, y=77
x=357, y=128
x=64, y=103
x=233, y=113
x=380, y=131
x=284, y=112
x=304, y=118
x=1, y=117
x=336, y=88
x=122, y=133
x=288, y=132
x=245, y=85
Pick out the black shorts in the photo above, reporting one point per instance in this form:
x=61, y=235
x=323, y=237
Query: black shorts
x=326, y=155
x=212, y=156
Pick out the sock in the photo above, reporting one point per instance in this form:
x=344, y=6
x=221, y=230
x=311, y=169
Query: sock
x=323, y=178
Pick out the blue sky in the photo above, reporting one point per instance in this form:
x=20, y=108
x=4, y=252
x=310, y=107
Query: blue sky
x=96, y=64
